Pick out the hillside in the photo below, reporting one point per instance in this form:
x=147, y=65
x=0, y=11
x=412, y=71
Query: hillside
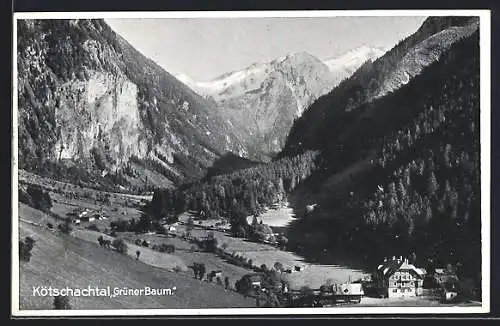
x=411, y=183
x=228, y=163
x=93, y=107
x=397, y=174
x=61, y=261
x=334, y=112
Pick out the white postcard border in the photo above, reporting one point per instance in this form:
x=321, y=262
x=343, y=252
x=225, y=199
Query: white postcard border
x=485, y=136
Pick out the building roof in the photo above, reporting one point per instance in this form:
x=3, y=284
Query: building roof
x=391, y=266
x=254, y=277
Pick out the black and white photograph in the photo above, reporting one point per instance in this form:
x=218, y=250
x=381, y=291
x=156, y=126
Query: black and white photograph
x=257, y=162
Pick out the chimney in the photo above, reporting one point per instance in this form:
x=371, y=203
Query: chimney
x=393, y=257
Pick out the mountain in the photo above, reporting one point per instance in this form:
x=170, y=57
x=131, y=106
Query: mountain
x=332, y=113
x=261, y=101
x=399, y=167
x=93, y=107
x=386, y=172
x=344, y=65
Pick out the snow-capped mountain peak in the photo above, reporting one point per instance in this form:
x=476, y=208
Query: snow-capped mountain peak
x=354, y=57
x=346, y=64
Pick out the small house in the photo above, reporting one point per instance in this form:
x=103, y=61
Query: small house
x=399, y=278
x=83, y=213
x=250, y=283
x=442, y=276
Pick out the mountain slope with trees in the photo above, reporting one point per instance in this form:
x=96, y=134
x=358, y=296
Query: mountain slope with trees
x=333, y=113
x=416, y=185
x=397, y=174
x=92, y=106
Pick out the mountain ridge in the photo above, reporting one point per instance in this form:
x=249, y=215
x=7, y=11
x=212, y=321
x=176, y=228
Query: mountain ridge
x=262, y=100
x=91, y=104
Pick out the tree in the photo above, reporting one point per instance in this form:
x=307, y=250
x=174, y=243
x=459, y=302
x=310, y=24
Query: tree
x=190, y=224
x=278, y=266
x=25, y=248
x=65, y=227
x=282, y=242
x=413, y=258
x=40, y=198
x=93, y=227
x=201, y=271
x=432, y=184
x=120, y=246
x=61, y=303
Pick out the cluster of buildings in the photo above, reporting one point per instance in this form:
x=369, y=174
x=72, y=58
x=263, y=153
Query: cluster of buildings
x=85, y=215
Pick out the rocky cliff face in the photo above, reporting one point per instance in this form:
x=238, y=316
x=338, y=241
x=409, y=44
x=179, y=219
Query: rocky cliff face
x=89, y=99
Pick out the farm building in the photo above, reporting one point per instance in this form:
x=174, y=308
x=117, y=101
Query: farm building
x=398, y=278
x=442, y=276
x=170, y=228
x=83, y=213
x=447, y=281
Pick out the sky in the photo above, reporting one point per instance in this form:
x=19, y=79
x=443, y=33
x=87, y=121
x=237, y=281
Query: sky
x=205, y=48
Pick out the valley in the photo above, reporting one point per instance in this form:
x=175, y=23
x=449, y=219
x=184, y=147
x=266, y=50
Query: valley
x=62, y=260
x=353, y=180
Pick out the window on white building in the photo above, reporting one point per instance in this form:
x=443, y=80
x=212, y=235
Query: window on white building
x=394, y=290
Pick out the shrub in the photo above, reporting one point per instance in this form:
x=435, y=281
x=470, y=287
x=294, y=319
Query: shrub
x=93, y=227
x=25, y=248
x=120, y=225
x=50, y=226
x=39, y=198
x=168, y=248
x=278, y=266
x=62, y=303
x=65, y=227
x=177, y=268
x=24, y=197
x=306, y=290
x=120, y=246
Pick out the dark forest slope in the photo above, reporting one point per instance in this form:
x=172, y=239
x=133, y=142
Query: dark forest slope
x=417, y=183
